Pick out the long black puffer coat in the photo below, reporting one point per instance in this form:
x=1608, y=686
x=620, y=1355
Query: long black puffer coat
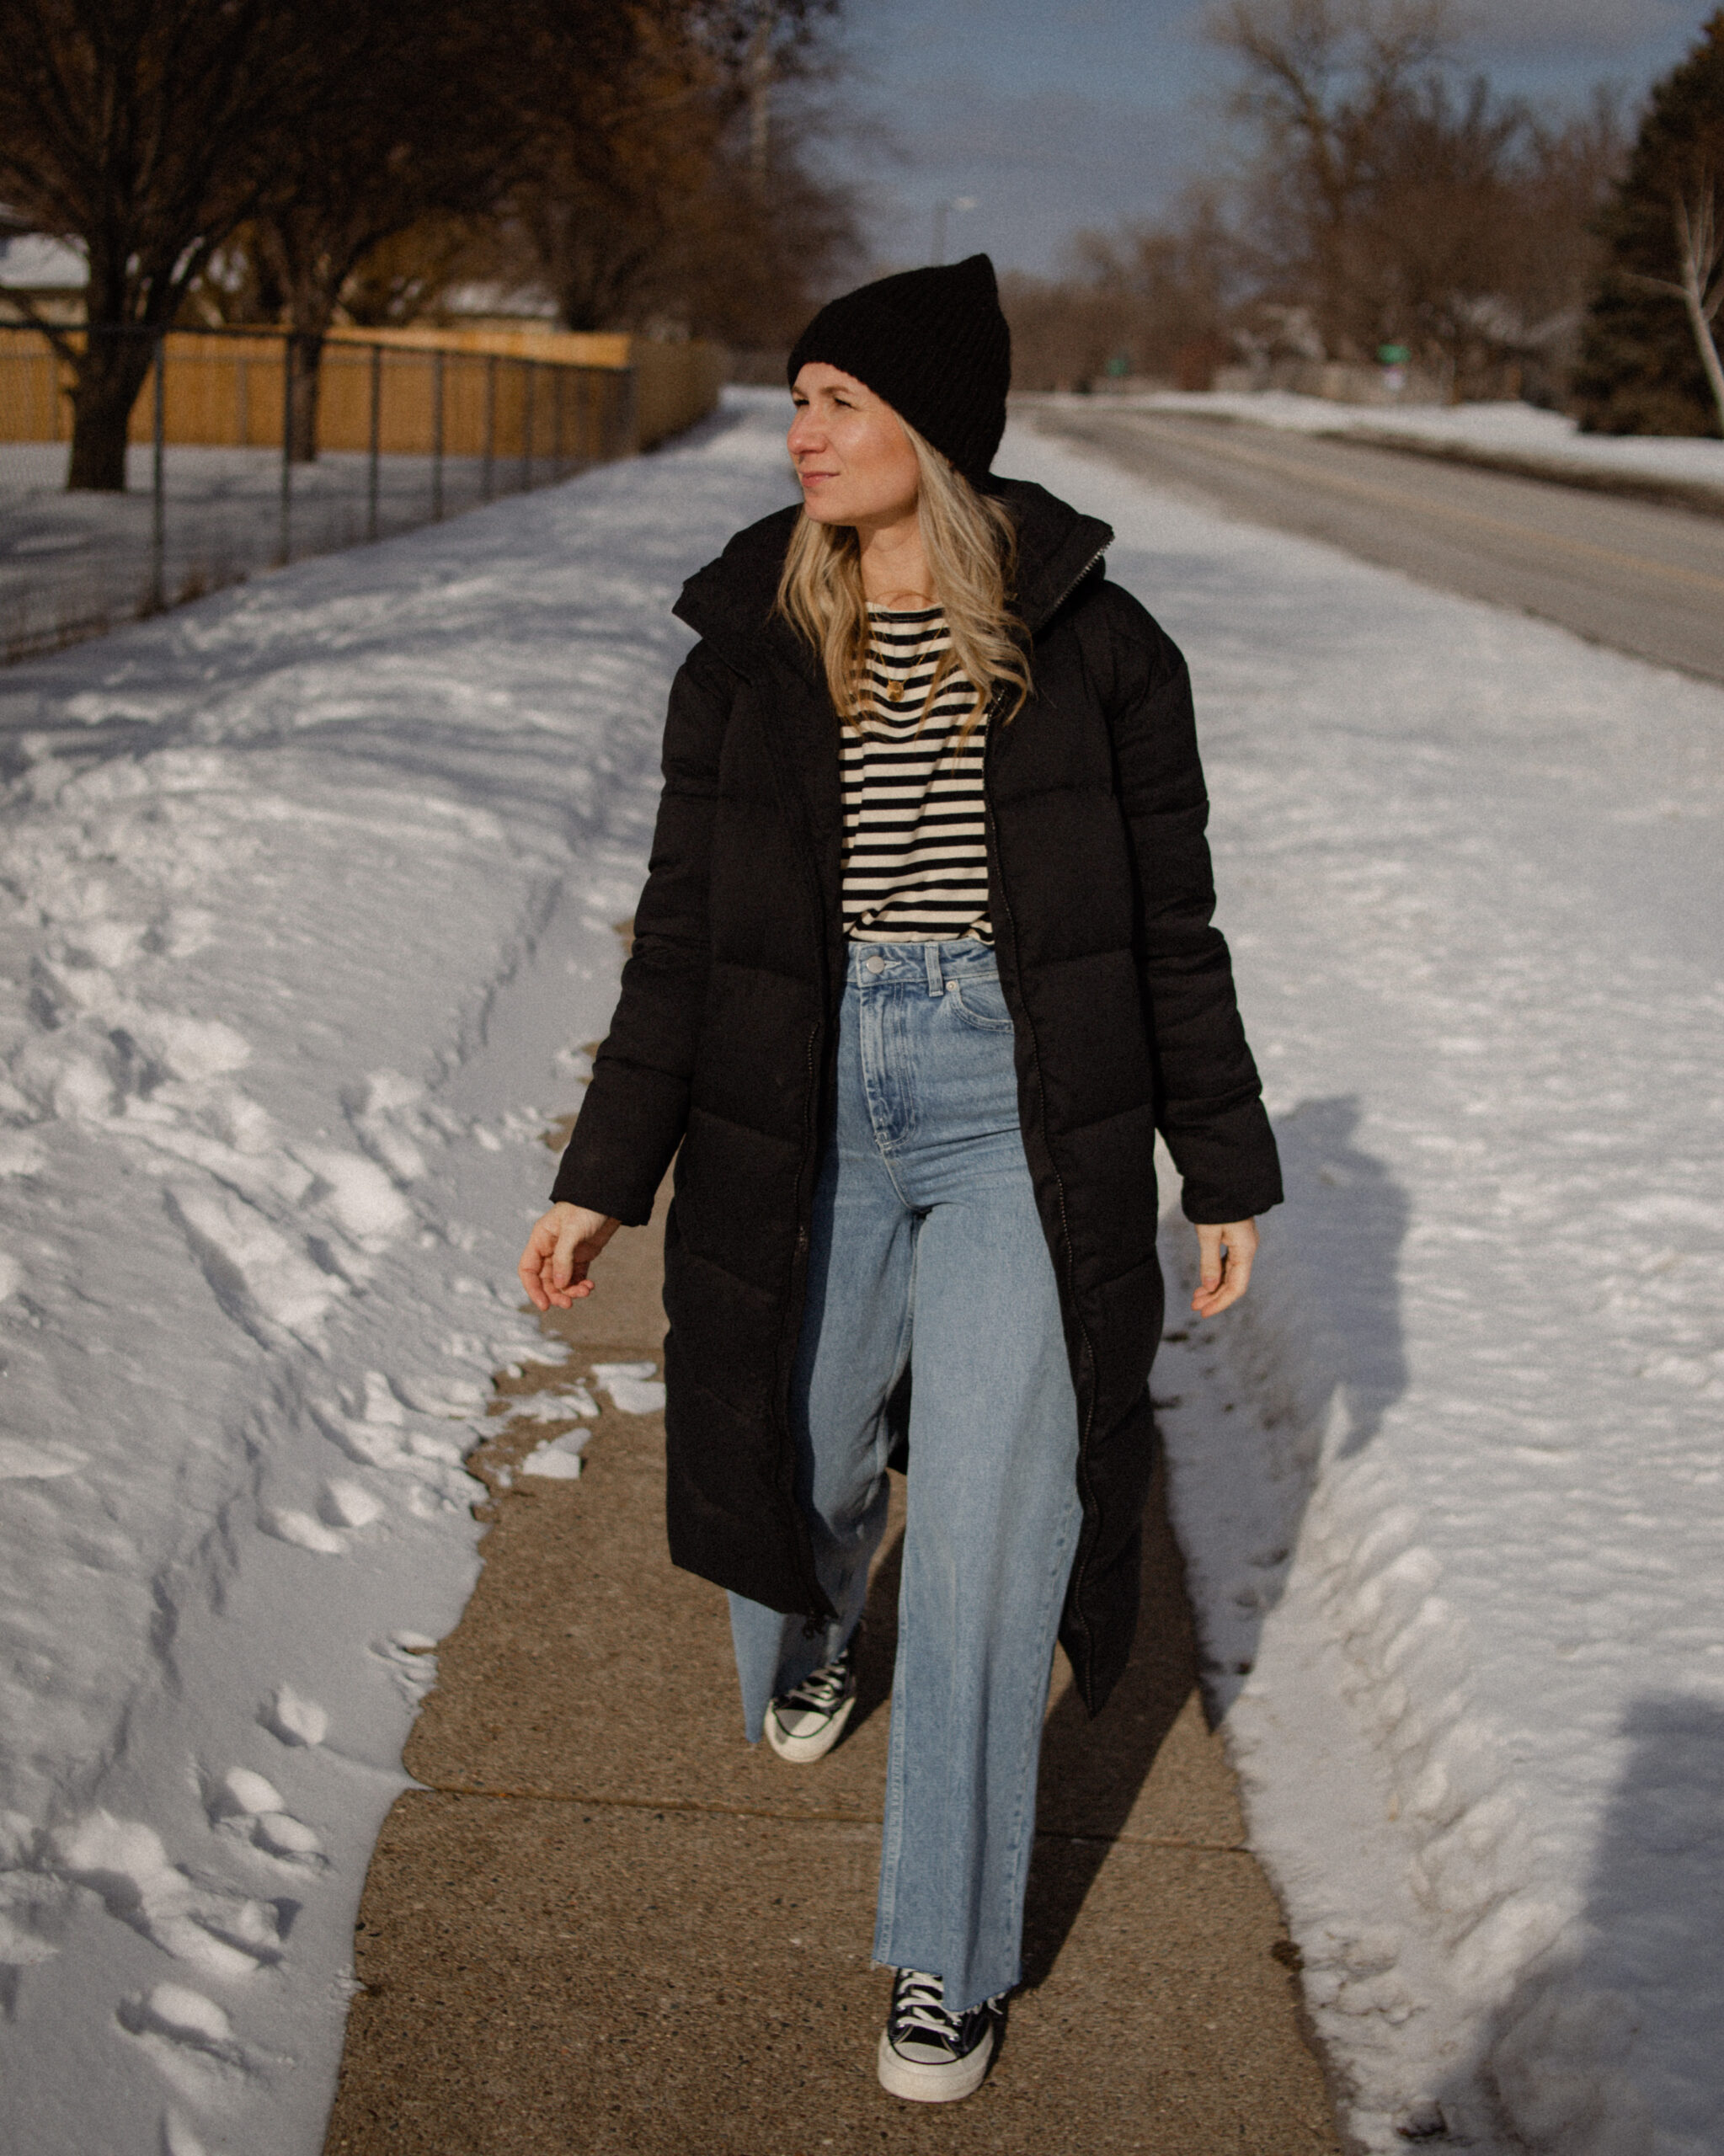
x=724, y=1039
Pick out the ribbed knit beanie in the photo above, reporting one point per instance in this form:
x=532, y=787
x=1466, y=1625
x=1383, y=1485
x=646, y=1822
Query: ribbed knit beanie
x=934, y=343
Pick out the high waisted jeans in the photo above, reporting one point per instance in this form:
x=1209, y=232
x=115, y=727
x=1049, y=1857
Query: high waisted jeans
x=926, y=1249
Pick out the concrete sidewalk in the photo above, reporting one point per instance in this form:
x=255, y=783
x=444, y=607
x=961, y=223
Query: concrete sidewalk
x=607, y=1925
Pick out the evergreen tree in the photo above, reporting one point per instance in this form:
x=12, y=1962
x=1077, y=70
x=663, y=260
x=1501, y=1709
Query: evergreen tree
x=1640, y=370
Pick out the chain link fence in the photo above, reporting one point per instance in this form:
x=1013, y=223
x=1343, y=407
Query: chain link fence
x=242, y=455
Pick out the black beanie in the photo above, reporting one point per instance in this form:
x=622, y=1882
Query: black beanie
x=934, y=343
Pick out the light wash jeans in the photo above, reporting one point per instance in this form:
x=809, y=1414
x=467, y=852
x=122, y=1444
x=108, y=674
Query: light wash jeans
x=926, y=1248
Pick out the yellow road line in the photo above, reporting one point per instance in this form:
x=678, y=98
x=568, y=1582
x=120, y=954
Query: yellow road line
x=1388, y=498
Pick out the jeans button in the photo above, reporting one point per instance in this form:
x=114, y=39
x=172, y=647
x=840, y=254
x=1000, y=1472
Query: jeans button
x=876, y=965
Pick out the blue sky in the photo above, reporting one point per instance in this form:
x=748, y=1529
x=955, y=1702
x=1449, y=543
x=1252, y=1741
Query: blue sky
x=1057, y=114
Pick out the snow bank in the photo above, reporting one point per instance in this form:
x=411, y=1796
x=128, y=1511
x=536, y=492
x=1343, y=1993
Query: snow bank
x=1506, y=429
x=1449, y=1482
x=308, y=903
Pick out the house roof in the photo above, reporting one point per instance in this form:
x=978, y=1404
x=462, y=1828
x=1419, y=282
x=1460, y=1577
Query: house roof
x=31, y=262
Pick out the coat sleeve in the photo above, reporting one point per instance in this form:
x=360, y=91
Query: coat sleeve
x=636, y=1108
x=1209, y=1098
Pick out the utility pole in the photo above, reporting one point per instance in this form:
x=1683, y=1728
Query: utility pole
x=760, y=93
x=959, y=202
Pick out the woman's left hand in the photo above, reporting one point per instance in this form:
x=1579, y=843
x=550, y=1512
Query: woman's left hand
x=1224, y=1257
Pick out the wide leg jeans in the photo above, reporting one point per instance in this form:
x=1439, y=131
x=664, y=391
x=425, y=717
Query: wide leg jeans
x=927, y=1251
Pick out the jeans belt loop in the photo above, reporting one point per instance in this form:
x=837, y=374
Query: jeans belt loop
x=936, y=972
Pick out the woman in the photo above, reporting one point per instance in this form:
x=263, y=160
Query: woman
x=923, y=961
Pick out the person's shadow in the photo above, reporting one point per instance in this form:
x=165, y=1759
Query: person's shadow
x=1291, y=1385
x=1610, y=2038
x=1318, y=1352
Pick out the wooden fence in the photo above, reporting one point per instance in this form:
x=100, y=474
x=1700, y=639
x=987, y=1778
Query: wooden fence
x=527, y=396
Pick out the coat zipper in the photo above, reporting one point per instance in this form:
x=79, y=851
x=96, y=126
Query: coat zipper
x=812, y=1623
x=1074, y=1596
x=1099, y=554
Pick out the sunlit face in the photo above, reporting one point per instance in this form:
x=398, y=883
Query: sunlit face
x=851, y=455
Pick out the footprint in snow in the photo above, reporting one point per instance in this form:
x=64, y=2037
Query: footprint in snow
x=125, y=1862
x=250, y=1806
x=178, y=2138
x=412, y=1660
x=344, y=1504
x=293, y=1718
x=187, y=2016
x=301, y=1530
x=191, y=2043
x=42, y=1461
x=350, y=1504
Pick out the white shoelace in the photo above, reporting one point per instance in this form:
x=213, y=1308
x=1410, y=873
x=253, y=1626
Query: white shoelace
x=822, y=1693
x=919, y=2011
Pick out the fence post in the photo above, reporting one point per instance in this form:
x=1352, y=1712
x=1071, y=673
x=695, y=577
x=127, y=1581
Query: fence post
x=527, y=427
x=491, y=466
x=437, y=437
x=285, y=545
x=158, y=481
x=372, y=464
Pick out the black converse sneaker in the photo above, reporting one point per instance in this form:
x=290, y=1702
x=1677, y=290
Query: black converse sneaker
x=930, y=2055
x=805, y=1724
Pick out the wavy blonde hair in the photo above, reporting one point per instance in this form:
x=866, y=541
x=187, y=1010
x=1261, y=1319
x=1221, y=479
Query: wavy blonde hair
x=970, y=543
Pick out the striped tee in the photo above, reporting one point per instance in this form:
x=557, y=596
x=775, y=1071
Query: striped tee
x=915, y=857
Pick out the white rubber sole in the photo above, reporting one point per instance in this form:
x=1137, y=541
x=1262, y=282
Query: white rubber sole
x=801, y=1751
x=935, y=2084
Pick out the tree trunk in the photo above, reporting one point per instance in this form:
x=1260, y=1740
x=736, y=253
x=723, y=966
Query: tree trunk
x=110, y=373
x=307, y=386
x=1700, y=252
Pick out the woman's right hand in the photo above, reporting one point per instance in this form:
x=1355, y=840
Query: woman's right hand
x=564, y=1243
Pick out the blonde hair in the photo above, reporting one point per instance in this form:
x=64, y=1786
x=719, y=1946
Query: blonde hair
x=969, y=541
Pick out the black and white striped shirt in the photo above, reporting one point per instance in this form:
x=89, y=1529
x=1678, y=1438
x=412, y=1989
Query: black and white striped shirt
x=915, y=859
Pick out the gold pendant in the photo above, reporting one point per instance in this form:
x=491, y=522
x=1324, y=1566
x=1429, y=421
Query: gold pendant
x=894, y=691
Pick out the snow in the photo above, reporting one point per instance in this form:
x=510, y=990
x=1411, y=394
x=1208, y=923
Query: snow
x=1507, y=429
x=557, y=1459
x=310, y=896
x=552, y=1407
x=1450, y=1481
x=635, y=1388
x=309, y=893
x=71, y=564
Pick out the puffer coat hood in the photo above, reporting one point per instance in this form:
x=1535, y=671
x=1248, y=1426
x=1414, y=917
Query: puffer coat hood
x=723, y=1044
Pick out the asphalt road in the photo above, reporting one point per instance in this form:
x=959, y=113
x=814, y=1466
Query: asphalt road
x=1641, y=578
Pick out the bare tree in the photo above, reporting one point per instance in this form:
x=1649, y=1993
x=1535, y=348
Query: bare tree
x=1699, y=285
x=143, y=132
x=417, y=127
x=672, y=183
x=1156, y=299
x=1399, y=205
x=1326, y=84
